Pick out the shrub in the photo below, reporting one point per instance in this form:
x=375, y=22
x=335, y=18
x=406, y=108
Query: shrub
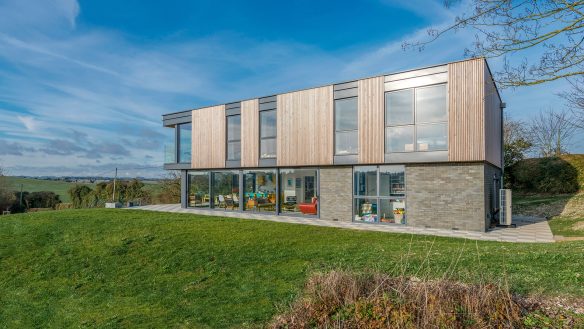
x=544, y=175
x=346, y=300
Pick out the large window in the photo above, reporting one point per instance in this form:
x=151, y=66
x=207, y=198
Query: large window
x=199, y=196
x=268, y=134
x=184, y=142
x=346, y=126
x=234, y=137
x=259, y=192
x=379, y=195
x=225, y=187
x=298, y=191
x=416, y=120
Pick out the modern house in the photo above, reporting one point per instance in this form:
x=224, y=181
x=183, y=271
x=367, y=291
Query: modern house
x=420, y=147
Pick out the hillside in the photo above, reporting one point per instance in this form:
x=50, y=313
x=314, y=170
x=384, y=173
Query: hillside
x=131, y=268
x=36, y=185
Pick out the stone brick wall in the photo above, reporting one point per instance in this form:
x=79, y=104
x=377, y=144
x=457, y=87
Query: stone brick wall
x=448, y=196
x=336, y=193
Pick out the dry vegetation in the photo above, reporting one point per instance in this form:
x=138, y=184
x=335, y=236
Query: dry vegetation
x=347, y=300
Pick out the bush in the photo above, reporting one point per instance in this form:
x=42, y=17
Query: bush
x=544, y=175
x=375, y=300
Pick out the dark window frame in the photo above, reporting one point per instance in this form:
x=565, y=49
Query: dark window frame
x=415, y=122
x=345, y=130
x=230, y=141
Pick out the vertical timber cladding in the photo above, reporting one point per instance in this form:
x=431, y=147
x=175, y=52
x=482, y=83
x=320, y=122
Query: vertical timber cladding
x=466, y=114
x=371, y=120
x=305, y=127
x=493, y=122
x=209, y=137
x=250, y=133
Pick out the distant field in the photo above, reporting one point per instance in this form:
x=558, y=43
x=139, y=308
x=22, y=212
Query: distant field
x=37, y=185
x=61, y=187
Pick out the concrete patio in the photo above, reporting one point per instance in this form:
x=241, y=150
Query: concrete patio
x=529, y=229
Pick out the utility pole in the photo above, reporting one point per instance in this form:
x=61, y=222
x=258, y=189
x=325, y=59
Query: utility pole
x=114, y=194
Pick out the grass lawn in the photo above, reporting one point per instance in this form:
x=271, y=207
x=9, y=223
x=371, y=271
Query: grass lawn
x=37, y=185
x=565, y=226
x=128, y=268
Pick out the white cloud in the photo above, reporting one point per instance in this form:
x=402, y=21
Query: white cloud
x=29, y=123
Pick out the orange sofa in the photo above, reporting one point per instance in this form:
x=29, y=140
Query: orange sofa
x=309, y=208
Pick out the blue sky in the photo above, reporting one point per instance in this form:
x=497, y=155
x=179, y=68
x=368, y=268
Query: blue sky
x=83, y=84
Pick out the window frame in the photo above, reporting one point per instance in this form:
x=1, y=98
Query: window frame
x=268, y=137
x=378, y=197
x=230, y=141
x=415, y=123
x=178, y=143
x=345, y=130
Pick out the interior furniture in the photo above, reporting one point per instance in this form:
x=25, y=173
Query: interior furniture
x=309, y=208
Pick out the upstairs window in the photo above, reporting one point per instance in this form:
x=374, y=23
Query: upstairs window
x=233, y=137
x=268, y=134
x=346, y=126
x=416, y=119
x=184, y=142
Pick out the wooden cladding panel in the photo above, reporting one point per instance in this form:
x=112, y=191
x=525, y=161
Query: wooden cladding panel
x=492, y=121
x=466, y=105
x=250, y=133
x=371, y=120
x=305, y=127
x=209, y=137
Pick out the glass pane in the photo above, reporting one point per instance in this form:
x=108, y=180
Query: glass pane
x=392, y=211
x=268, y=123
x=399, y=107
x=225, y=186
x=399, y=139
x=392, y=181
x=346, y=114
x=431, y=104
x=298, y=191
x=184, y=133
x=346, y=142
x=365, y=180
x=234, y=128
x=199, y=189
x=268, y=148
x=366, y=210
x=259, y=192
x=233, y=150
x=432, y=137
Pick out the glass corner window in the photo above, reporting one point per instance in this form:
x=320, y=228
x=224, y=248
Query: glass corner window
x=184, y=142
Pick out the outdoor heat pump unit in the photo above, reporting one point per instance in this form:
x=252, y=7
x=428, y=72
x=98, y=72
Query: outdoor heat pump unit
x=505, y=206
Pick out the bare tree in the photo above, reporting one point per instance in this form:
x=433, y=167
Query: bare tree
x=552, y=131
x=516, y=140
x=554, y=29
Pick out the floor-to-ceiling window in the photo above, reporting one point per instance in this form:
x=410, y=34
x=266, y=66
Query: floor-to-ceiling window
x=268, y=134
x=225, y=189
x=298, y=191
x=346, y=126
x=259, y=190
x=379, y=195
x=233, y=123
x=198, y=189
x=184, y=142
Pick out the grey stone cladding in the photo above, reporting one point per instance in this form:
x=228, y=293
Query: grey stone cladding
x=336, y=193
x=447, y=196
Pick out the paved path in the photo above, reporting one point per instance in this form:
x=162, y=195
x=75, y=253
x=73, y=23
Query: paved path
x=529, y=229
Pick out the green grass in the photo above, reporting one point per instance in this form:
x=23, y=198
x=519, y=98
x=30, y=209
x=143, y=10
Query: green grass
x=130, y=268
x=564, y=226
x=37, y=185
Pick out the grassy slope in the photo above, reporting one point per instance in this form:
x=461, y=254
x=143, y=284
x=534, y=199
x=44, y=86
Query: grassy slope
x=37, y=185
x=106, y=267
x=565, y=210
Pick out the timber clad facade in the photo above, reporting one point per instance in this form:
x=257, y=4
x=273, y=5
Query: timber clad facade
x=421, y=148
